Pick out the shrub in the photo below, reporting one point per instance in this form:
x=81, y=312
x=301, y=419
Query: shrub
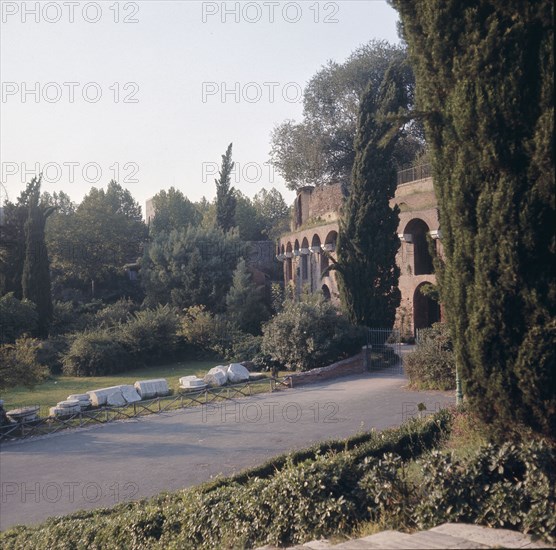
x=151, y=333
x=115, y=313
x=19, y=364
x=17, y=317
x=432, y=365
x=96, y=353
x=309, y=334
x=245, y=347
x=511, y=486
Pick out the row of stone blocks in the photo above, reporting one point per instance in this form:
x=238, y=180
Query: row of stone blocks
x=216, y=377
x=114, y=396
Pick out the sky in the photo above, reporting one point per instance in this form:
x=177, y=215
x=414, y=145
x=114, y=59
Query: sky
x=151, y=93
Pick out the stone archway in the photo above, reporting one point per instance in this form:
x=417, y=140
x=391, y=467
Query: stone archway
x=415, y=233
x=425, y=310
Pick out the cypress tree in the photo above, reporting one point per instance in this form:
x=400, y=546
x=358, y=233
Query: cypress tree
x=225, y=199
x=35, y=280
x=367, y=240
x=485, y=88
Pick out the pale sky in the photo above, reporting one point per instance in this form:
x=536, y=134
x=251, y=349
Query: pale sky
x=151, y=92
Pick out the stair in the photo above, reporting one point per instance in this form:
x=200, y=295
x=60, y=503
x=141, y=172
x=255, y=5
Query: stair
x=447, y=535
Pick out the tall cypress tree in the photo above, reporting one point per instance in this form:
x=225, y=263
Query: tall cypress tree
x=225, y=199
x=35, y=280
x=485, y=87
x=367, y=240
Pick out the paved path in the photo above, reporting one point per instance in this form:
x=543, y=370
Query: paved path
x=106, y=464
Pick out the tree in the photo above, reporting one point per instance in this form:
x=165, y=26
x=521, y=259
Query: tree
x=320, y=149
x=35, y=279
x=191, y=266
x=244, y=301
x=172, y=211
x=225, y=198
x=17, y=317
x=273, y=211
x=367, y=240
x=92, y=244
x=485, y=89
x=12, y=244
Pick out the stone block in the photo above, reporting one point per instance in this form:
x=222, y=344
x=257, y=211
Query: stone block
x=130, y=393
x=149, y=389
x=237, y=373
x=217, y=376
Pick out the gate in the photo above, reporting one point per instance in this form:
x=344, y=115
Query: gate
x=383, y=350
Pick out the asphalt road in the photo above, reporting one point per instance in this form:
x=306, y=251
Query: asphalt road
x=106, y=464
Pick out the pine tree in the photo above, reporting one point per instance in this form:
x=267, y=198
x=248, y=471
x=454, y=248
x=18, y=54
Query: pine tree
x=367, y=240
x=485, y=88
x=35, y=281
x=225, y=199
x=244, y=301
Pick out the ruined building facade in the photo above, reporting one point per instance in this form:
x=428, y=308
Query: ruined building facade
x=314, y=229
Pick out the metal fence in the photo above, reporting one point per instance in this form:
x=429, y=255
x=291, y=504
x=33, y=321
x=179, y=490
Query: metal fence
x=102, y=415
x=383, y=350
x=414, y=173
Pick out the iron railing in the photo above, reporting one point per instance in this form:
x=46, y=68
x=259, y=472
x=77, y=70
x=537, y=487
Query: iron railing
x=414, y=173
x=383, y=350
x=102, y=415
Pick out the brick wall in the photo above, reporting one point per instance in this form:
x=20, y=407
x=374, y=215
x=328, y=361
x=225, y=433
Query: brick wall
x=352, y=365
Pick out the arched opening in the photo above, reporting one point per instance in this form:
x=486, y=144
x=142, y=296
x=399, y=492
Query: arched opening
x=422, y=259
x=326, y=293
x=289, y=267
x=425, y=310
x=304, y=251
x=330, y=241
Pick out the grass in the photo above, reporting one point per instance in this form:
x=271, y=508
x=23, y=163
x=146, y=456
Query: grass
x=58, y=387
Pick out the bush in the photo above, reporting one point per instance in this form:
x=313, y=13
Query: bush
x=19, y=364
x=17, y=317
x=309, y=334
x=115, y=314
x=151, y=333
x=432, y=366
x=96, y=353
x=511, y=486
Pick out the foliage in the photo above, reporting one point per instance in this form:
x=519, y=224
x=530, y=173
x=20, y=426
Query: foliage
x=172, y=211
x=151, y=333
x=320, y=150
x=96, y=353
x=308, y=334
x=35, y=277
x=17, y=317
x=114, y=314
x=90, y=245
x=485, y=88
x=146, y=336
x=19, y=364
x=367, y=239
x=432, y=366
x=191, y=266
x=272, y=209
x=244, y=302
x=225, y=198
x=245, y=347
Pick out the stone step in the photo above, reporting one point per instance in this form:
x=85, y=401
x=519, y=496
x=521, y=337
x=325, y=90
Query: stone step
x=478, y=534
x=431, y=539
x=390, y=539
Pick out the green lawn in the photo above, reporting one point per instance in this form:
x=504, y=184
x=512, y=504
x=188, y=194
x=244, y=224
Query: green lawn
x=58, y=387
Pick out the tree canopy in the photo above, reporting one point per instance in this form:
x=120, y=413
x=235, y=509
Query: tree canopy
x=320, y=149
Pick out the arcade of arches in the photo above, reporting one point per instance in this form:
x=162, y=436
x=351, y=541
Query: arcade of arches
x=306, y=251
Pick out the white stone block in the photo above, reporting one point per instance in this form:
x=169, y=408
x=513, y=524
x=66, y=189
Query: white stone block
x=217, y=376
x=69, y=403
x=130, y=393
x=148, y=389
x=237, y=373
x=191, y=382
x=111, y=396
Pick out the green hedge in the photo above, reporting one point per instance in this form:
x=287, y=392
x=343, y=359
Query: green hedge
x=289, y=499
